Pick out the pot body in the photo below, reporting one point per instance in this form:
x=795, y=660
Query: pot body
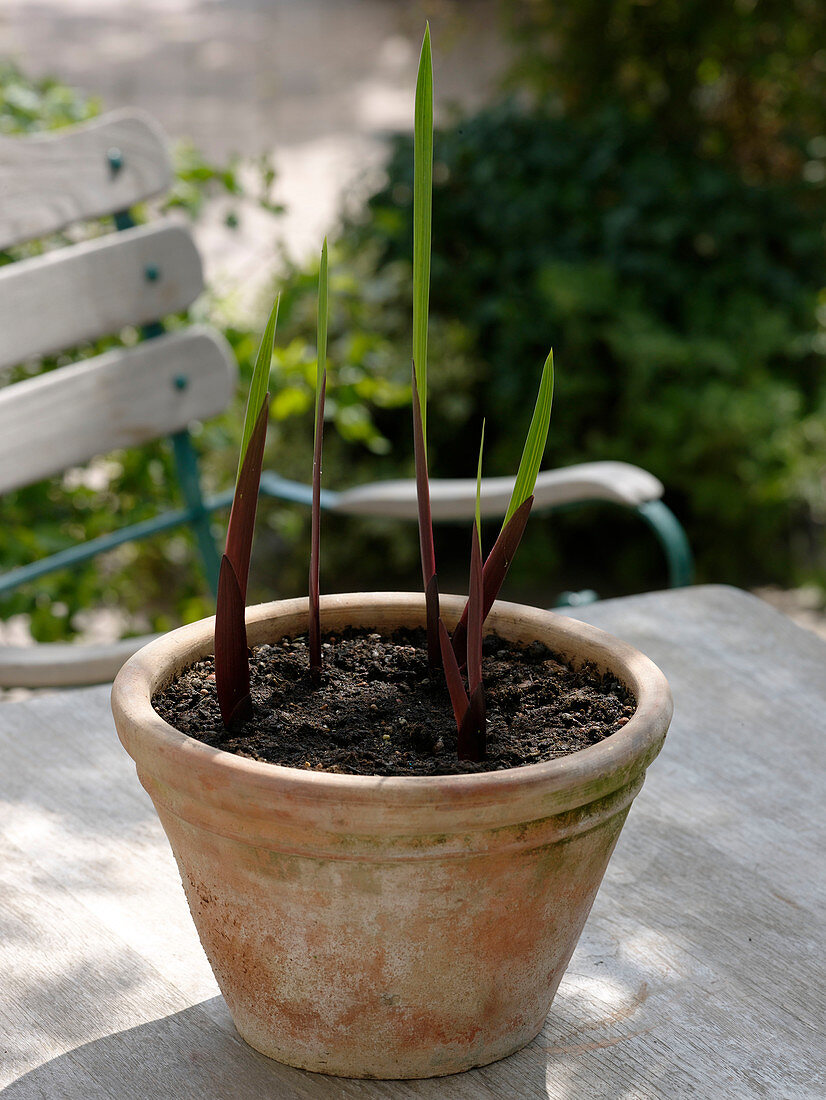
x=396, y=928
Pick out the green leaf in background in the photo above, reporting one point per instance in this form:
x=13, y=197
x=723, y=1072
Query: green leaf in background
x=535, y=442
x=260, y=382
x=422, y=217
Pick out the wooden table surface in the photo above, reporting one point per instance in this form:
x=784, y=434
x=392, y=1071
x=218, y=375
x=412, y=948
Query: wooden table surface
x=700, y=972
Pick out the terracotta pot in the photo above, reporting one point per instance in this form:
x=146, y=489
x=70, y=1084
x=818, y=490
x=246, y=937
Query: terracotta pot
x=389, y=927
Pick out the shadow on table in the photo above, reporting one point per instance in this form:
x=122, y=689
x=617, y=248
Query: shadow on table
x=197, y=1053
x=654, y=1005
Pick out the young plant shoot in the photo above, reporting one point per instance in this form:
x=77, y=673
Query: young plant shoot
x=464, y=650
x=422, y=218
x=471, y=740
x=499, y=560
x=485, y=584
x=232, y=677
x=469, y=707
x=315, y=536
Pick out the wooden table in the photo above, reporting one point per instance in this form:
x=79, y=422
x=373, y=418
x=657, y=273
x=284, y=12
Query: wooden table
x=700, y=972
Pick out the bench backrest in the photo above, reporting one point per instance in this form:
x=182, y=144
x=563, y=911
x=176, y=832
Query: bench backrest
x=75, y=294
x=50, y=181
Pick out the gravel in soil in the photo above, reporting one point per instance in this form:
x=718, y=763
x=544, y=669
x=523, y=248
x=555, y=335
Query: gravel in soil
x=378, y=711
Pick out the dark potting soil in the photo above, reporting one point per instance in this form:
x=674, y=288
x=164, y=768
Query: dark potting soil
x=378, y=711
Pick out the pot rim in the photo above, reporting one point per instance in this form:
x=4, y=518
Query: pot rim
x=568, y=781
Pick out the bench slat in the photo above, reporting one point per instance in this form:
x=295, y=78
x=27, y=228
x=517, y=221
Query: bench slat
x=51, y=180
x=121, y=399
x=77, y=294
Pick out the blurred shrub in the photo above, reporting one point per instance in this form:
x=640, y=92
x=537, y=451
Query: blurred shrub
x=742, y=80
x=681, y=303
x=28, y=106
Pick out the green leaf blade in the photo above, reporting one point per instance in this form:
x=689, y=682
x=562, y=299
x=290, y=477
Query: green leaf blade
x=241, y=524
x=422, y=216
x=318, y=436
x=321, y=338
x=535, y=441
x=259, y=383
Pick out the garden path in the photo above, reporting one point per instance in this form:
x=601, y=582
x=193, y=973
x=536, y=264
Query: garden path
x=314, y=82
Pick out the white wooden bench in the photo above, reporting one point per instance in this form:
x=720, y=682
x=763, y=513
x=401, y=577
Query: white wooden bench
x=135, y=277
x=74, y=295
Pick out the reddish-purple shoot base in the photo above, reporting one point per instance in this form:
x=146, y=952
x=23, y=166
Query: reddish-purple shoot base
x=468, y=713
x=245, y=502
x=315, y=540
x=471, y=744
x=496, y=568
x=231, y=660
x=428, y=553
x=453, y=677
x=468, y=706
x=232, y=672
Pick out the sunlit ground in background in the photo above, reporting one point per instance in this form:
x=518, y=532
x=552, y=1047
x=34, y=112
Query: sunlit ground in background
x=315, y=83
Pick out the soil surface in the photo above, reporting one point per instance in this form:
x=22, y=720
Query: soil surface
x=378, y=711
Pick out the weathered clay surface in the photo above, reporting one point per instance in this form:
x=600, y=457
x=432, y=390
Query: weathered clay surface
x=400, y=927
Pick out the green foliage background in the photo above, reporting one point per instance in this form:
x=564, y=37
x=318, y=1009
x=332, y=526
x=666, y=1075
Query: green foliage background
x=681, y=300
x=650, y=201
x=742, y=81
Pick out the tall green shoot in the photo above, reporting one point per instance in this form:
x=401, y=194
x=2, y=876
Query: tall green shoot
x=469, y=705
x=465, y=649
x=471, y=740
x=232, y=681
x=315, y=536
x=422, y=219
x=535, y=442
x=499, y=560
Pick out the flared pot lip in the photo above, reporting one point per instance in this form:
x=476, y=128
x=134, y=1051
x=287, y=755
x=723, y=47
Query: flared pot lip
x=166, y=754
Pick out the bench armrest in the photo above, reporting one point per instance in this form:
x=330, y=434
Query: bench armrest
x=618, y=482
